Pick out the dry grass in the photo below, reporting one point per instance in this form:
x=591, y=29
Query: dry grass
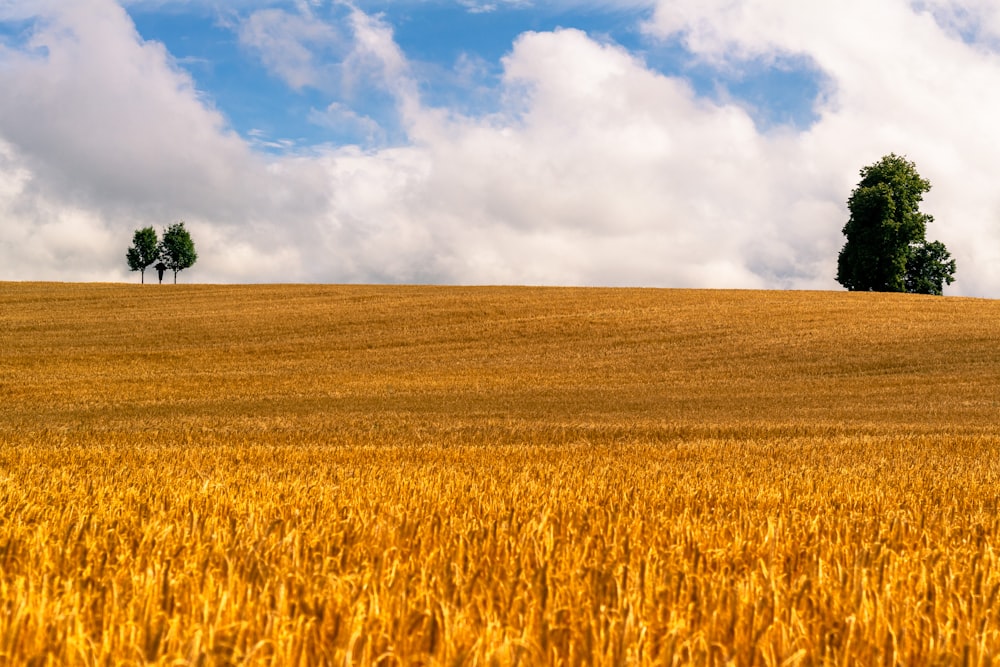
x=406, y=475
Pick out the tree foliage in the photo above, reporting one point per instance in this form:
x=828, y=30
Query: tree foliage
x=144, y=251
x=177, y=249
x=886, y=248
x=930, y=266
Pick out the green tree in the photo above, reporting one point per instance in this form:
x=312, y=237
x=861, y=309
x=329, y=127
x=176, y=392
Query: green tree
x=177, y=249
x=930, y=266
x=144, y=251
x=886, y=248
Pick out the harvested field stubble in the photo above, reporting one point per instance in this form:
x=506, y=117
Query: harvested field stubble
x=399, y=475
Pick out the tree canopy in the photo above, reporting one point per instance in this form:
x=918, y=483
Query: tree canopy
x=144, y=251
x=886, y=248
x=177, y=249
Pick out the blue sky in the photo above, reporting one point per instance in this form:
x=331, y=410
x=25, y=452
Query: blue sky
x=673, y=143
x=456, y=52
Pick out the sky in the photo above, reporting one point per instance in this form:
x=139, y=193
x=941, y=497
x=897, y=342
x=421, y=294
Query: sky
x=652, y=143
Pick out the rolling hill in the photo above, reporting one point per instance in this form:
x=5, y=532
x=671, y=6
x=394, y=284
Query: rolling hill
x=305, y=474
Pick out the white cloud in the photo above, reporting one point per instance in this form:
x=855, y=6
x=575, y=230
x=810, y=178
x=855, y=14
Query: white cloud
x=604, y=172
x=342, y=51
x=903, y=80
x=98, y=104
x=596, y=170
x=972, y=20
x=339, y=118
x=480, y=7
x=102, y=128
x=288, y=44
x=378, y=59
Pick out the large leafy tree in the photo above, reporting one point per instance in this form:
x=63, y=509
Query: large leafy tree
x=886, y=248
x=177, y=249
x=144, y=251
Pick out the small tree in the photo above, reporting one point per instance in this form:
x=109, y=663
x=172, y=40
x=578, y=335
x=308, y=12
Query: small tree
x=144, y=251
x=177, y=249
x=886, y=248
x=930, y=266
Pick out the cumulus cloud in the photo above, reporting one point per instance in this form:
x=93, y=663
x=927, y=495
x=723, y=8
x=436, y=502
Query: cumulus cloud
x=599, y=171
x=902, y=79
x=85, y=104
x=104, y=129
x=344, y=54
x=594, y=169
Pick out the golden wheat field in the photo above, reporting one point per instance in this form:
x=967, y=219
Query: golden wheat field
x=300, y=475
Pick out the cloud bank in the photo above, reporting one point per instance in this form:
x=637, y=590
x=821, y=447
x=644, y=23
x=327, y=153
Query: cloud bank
x=595, y=169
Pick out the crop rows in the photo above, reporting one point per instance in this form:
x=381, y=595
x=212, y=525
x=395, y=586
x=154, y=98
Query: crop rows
x=395, y=476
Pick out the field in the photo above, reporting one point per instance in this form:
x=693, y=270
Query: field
x=448, y=476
